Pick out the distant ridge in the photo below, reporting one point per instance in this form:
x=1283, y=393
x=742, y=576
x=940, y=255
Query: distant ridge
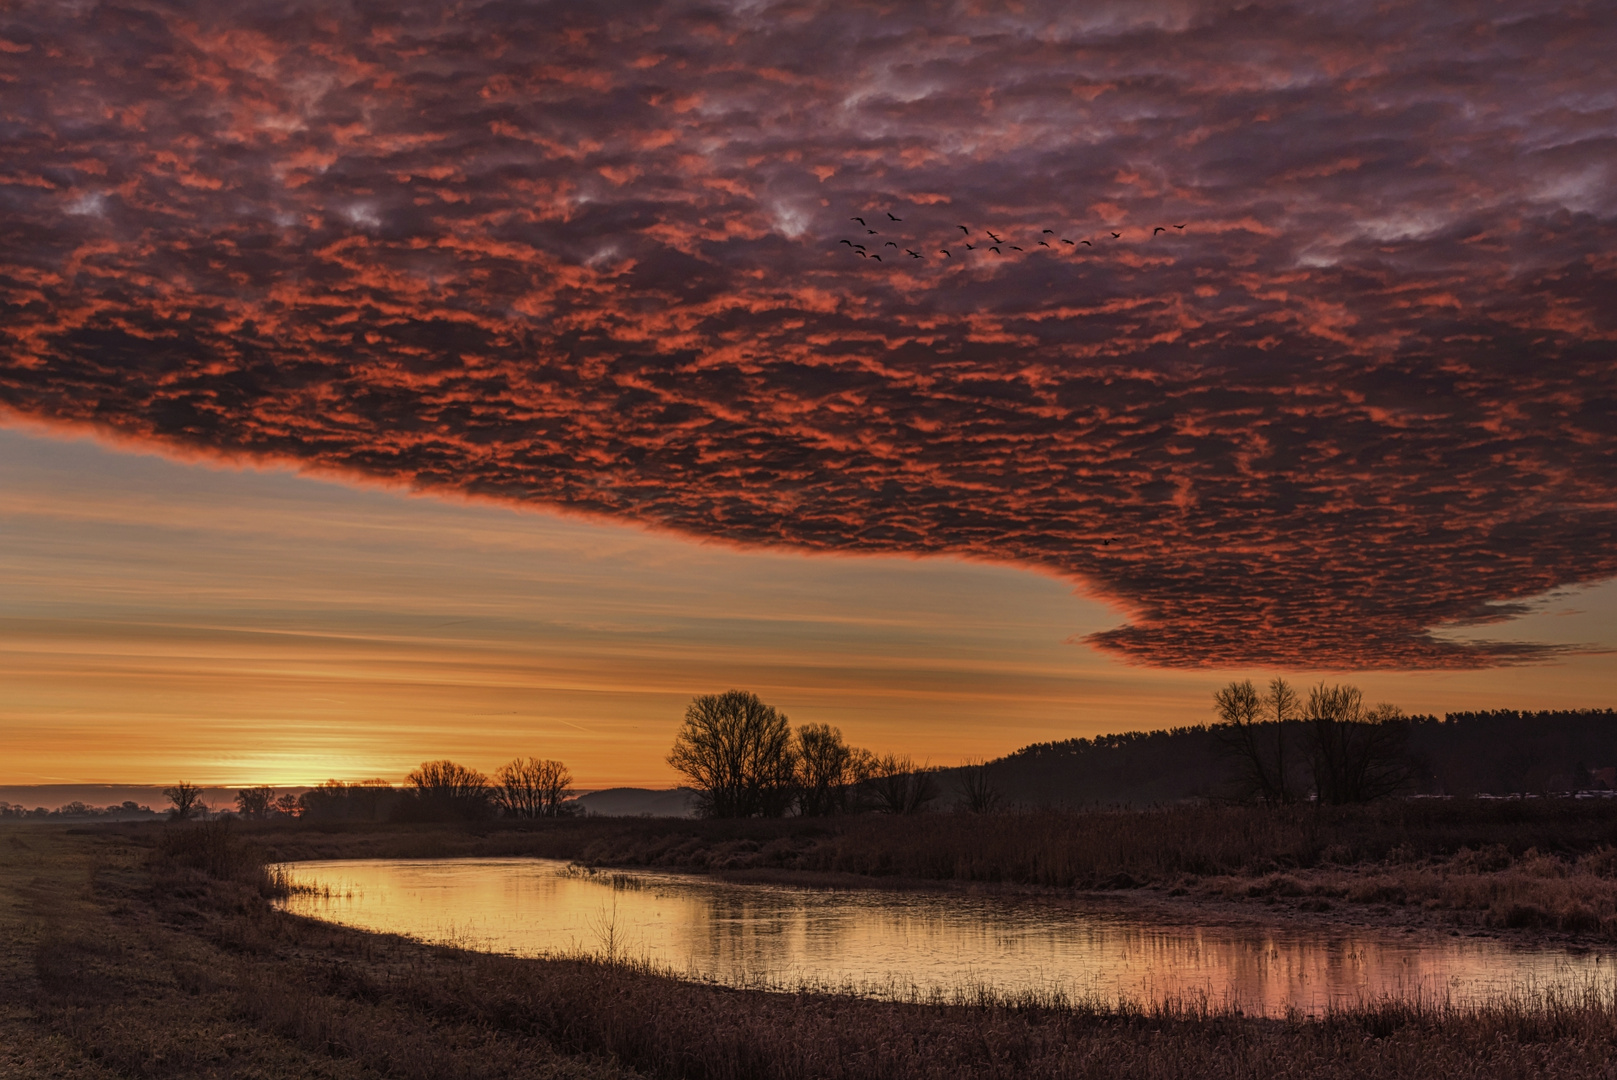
x=639, y=802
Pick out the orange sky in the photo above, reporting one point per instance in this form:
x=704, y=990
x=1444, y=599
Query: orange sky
x=161, y=620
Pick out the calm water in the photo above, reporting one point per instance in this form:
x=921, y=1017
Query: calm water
x=886, y=943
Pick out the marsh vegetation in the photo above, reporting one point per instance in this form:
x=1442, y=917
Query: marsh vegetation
x=154, y=951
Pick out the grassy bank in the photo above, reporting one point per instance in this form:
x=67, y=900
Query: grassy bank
x=1523, y=866
x=128, y=954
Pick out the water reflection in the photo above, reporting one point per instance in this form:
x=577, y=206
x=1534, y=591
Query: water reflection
x=902, y=943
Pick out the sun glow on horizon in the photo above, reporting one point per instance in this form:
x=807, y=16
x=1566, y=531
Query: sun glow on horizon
x=243, y=625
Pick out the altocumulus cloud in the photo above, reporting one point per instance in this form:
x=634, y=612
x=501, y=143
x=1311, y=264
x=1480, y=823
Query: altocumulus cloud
x=588, y=255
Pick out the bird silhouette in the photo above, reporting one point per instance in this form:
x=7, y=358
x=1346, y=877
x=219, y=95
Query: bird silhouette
x=996, y=251
x=876, y=257
x=1064, y=240
x=992, y=237
x=913, y=255
x=889, y=244
x=1052, y=232
x=1086, y=243
x=1042, y=242
x=1158, y=229
x=848, y=242
x=1015, y=248
x=963, y=229
x=861, y=247
x=860, y=220
x=890, y=217
x=872, y=232
x=969, y=247
x=1115, y=235
x=945, y=253
x=1181, y=226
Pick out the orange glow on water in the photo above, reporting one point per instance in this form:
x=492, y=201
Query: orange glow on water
x=897, y=944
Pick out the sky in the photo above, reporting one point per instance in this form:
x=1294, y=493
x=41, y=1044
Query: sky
x=487, y=379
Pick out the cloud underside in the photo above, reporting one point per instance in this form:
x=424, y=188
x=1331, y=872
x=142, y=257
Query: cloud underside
x=568, y=258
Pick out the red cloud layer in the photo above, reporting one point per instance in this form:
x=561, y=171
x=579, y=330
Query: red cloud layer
x=567, y=257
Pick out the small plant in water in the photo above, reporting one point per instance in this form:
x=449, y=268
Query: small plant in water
x=609, y=935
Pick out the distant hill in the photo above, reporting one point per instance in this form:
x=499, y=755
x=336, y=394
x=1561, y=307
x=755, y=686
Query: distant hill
x=638, y=802
x=1137, y=768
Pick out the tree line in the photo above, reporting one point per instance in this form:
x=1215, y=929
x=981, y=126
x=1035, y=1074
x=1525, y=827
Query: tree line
x=127, y=811
x=1330, y=747
x=744, y=759
x=1273, y=745
x=437, y=791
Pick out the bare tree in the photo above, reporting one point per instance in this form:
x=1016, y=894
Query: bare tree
x=737, y=753
x=827, y=768
x=977, y=791
x=1239, y=706
x=254, y=802
x=187, y=799
x=531, y=788
x=445, y=787
x=287, y=803
x=1255, y=731
x=1282, y=708
x=902, y=787
x=367, y=800
x=1359, y=754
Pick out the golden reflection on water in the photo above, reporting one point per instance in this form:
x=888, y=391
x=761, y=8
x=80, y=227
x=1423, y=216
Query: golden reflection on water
x=898, y=944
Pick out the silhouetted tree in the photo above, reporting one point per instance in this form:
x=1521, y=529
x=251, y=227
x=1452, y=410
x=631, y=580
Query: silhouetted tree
x=1255, y=731
x=447, y=789
x=978, y=794
x=900, y=787
x=827, y=770
x=368, y=800
x=737, y=753
x=1358, y=755
x=187, y=799
x=287, y=803
x=531, y=788
x=1283, y=709
x=254, y=802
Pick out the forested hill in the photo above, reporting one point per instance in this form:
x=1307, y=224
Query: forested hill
x=1465, y=753
x=1506, y=751
x=1138, y=768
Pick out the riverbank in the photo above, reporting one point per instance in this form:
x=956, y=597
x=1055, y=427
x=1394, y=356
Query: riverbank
x=1530, y=870
x=153, y=952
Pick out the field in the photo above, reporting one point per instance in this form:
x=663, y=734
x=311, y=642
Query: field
x=153, y=951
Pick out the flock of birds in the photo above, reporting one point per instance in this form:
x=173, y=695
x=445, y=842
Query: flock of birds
x=997, y=244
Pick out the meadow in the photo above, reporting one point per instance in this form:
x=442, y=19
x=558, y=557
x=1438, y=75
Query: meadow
x=154, y=950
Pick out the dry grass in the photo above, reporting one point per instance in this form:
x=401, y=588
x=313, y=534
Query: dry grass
x=126, y=956
x=1537, y=891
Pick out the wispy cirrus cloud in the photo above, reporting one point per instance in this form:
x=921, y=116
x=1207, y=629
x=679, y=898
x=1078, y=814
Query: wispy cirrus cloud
x=569, y=256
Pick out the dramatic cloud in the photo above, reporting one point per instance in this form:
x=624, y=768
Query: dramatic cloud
x=589, y=255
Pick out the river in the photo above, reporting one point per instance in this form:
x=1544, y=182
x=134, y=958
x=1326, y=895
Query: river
x=915, y=944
